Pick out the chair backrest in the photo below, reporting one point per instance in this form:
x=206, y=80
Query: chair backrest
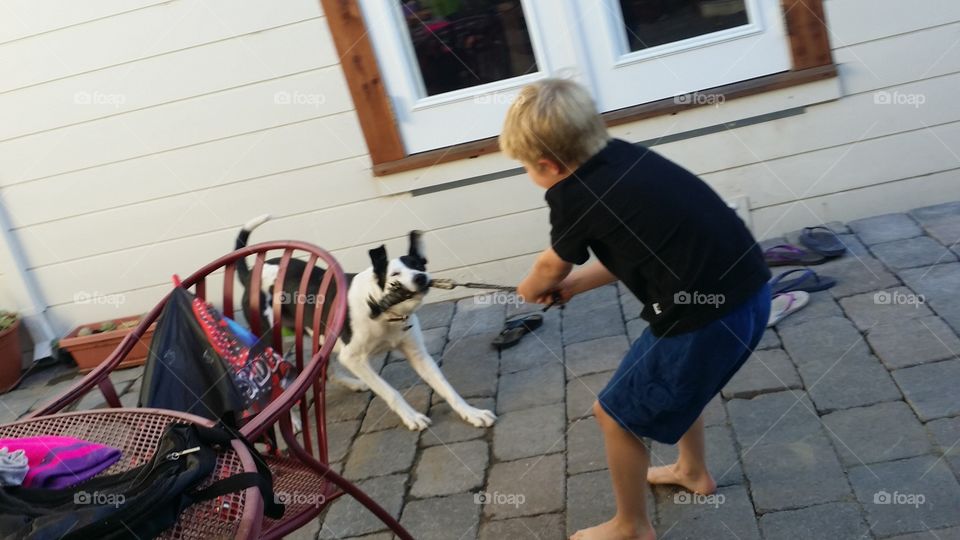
x=328, y=304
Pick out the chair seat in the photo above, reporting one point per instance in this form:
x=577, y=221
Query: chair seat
x=303, y=491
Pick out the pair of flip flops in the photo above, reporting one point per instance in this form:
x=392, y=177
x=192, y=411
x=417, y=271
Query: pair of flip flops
x=786, y=304
x=806, y=281
x=515, y=329
x=821, y=242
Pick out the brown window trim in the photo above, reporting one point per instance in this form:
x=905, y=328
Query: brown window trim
x=809, y=45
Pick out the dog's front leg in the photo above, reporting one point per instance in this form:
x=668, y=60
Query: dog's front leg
x=359, y=365
x=413, y=348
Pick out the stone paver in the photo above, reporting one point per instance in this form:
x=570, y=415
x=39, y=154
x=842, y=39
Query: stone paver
x=851, y=380
x=435, y=339
x=908, y=495
x=472, y=317
x=823, y=340
x=941, y=221
x=885, y=228
x=442, y=518
x=832, y=520
x=585, y=451
x=946, y=435
x=726, y=514
x=369, y=455
x=447, y=426
x=765, y=371
x=770, y=340
x=529, y=432
x=347, y=517
x=630, y=306
x=594, y=356
x=437, y=314
x=913, y=341
x=952, y=533
x=593, y=315
x=881, y=432
x=448, y=469
x=546, y=527
x=940, y=287
x=583, y=391
x=892, y=305
x=635, y=329
x=526, y=487
x=857, y=274
x=543, y=347
x=530, y=388
x=913, y=252
x=931, y=389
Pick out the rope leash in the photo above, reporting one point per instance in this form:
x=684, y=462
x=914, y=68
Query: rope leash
x=449, y=285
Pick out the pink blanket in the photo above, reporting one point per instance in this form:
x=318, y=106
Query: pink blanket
x=59, y=462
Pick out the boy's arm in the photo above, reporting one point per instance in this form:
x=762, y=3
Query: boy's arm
x=547, y=273
x=589, y=277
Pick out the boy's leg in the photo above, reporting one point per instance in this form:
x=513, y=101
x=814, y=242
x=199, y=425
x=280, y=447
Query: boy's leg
x=627, y=459
x=690, y=470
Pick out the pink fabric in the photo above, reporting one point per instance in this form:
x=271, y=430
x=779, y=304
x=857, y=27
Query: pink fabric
x=58, y=462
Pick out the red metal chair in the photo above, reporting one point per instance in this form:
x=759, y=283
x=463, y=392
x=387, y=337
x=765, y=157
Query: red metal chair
x=303, y=468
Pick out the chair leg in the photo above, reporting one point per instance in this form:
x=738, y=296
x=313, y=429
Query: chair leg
x=109, y=392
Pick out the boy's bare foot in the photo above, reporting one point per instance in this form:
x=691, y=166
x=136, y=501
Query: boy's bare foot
x=701, y=482
x=615, y=530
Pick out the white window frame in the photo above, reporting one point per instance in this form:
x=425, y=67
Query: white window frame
x=601, y=63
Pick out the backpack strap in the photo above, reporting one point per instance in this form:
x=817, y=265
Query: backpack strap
x=263, y=479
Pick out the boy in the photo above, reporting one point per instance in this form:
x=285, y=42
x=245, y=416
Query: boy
x=674, y=243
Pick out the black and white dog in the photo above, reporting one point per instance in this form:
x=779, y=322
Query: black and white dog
x=381, y=303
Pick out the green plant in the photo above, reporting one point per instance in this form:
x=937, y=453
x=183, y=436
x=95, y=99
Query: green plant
x=7, y=319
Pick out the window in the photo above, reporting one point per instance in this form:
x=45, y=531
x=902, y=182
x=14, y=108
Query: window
x=419, y=70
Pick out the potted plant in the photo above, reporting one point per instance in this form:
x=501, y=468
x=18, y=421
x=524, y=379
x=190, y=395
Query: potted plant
x=9, y=350
x=90, y=344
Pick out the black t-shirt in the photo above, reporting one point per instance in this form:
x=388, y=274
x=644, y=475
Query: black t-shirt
x=662, y=231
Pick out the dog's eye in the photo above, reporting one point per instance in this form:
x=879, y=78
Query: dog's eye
x=395, y=274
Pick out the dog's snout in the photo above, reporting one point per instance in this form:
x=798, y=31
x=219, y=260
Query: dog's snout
x=420, y=280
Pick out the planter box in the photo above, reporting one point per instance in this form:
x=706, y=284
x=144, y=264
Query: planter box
x=10, y=356
x=90, y=350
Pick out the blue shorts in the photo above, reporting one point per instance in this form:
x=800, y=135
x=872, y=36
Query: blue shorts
x=663, y=384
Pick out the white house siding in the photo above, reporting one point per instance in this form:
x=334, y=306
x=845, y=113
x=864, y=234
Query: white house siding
x=183, y=139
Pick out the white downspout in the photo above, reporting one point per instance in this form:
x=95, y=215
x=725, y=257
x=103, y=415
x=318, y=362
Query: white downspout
x=29, y=303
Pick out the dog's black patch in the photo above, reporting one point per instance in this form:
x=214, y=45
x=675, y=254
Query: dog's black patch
x=378, y=256
x=415, y=253
x=414, y=263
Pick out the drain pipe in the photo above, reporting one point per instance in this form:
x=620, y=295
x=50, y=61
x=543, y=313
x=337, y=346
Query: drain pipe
x=22, y=287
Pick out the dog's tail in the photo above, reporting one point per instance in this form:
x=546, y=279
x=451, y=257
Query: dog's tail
x=243, y=271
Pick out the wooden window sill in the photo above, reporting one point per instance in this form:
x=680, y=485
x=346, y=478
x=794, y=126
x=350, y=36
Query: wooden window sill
x=622, y=116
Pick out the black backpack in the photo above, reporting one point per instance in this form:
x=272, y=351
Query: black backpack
x=136, y=504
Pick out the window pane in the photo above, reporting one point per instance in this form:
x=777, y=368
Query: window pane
x=464, y=43
x=655, y=22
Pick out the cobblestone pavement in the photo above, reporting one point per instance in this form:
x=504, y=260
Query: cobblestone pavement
x=844, y=424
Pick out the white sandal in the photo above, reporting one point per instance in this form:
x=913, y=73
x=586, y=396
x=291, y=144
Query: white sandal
x=786, y=303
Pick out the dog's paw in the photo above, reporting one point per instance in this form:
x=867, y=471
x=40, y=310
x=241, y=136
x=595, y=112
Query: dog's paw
x=479, y=417
x=415, y=421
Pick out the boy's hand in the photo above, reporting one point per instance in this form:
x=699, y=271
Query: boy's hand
x=545, y=277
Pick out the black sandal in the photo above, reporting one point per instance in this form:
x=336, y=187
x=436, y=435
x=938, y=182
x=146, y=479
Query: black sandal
x=515, y=329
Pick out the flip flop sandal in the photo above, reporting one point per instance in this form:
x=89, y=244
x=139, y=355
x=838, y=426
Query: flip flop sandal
x=822, y=240
x=789, y=255
x=515, y=329
x=809, y=281
x=786, y=304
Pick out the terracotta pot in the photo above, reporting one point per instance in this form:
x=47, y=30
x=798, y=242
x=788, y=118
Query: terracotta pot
x=10, y=359
x=90, y=350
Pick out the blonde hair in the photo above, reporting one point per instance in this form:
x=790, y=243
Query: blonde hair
x=554, y=119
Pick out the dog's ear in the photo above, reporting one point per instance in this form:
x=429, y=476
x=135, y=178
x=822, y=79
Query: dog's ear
x=416, y=246
x=378, y=256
